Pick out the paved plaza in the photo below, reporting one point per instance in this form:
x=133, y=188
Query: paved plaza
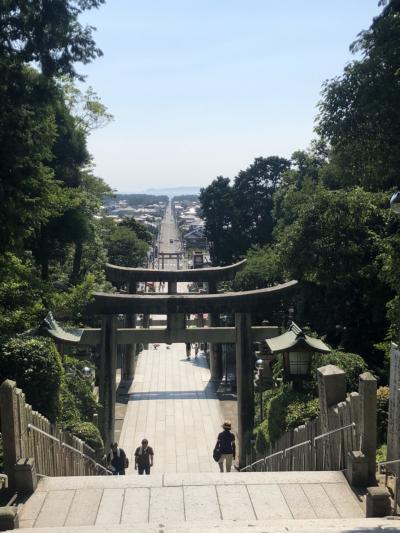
x=173, y=404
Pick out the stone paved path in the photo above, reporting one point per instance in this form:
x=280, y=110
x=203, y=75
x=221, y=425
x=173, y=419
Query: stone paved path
x=172, y=401
x=174, y=405
x=195, y=499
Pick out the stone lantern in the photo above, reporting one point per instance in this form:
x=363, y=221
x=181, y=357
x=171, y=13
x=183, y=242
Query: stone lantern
x=298, y=350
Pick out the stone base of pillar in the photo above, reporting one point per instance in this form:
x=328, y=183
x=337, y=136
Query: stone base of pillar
x=8, y=518
x=25, y=476
x=357, y=469
x=378, y=502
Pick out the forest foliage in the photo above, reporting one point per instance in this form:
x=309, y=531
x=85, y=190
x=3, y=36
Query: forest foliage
x=54, y=240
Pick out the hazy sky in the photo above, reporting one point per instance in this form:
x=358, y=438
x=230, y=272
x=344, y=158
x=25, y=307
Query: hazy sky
x=199, y=88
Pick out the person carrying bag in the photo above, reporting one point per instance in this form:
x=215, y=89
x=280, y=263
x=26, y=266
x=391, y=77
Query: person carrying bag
x=225, y=448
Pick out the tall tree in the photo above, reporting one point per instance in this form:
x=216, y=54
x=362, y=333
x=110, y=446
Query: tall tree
x=27, y=134
x=360, y=110
x=217, y=206
x=254, y=189
x=47, y=33
x=334, y=249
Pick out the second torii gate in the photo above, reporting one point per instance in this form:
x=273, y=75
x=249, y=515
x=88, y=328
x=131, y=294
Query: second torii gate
x=130, y=277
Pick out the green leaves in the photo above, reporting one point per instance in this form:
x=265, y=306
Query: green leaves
x=124, y=248
x=239, y=215
x=35, y=364
x=360, y=110
x=48, y=33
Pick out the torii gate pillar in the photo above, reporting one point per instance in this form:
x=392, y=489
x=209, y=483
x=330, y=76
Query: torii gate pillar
x=215, y=349
x=128, y=364
x=245, y=385
x=108, y=368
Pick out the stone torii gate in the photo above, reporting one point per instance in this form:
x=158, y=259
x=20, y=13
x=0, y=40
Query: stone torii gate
x=176, y=307
x=170, y=255
x=130, y=277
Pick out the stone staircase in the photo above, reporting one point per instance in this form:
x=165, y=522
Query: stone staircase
x=258, y=502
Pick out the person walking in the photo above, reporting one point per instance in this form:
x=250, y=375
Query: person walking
x=144, y=455
x=117, y=460
x=188, y=350
x=226, y=446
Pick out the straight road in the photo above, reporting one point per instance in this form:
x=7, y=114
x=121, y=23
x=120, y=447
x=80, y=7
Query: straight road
x=172, y=401
x=169, y=241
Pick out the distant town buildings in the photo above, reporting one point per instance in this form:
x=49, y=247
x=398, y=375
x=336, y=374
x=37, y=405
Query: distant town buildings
x=190, y=225
x=148, y=214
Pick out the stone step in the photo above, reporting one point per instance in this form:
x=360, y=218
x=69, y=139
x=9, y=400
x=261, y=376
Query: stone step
x=193, y=498
x=363, y=525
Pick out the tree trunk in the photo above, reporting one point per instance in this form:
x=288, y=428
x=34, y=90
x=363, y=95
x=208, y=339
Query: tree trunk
x=77, y=262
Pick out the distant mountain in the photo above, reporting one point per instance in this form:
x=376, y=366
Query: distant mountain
x=173, y=191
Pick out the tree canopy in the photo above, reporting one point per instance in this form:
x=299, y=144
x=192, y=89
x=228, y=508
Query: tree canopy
x=323, y=217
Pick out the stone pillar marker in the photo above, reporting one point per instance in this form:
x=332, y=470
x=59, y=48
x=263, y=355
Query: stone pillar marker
x=107, y=385
x=331, y=390
x=367, y=389
x=393, y=433
x=245, y=385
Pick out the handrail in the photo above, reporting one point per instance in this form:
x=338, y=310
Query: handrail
x=396, y=479
x=38, y=430
x=309, y=442
x=263, y=460
x=98, y=465
x=65, y=445
x=381, y=463
x=352, y=425
x=297, y=446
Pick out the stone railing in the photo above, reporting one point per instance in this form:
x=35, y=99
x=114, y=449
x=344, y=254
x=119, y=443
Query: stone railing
x=342, y=437
x=33, y=446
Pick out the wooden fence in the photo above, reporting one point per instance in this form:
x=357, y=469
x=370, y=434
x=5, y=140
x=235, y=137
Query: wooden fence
x=347, y=423
x=307, y=448
x=26, y=433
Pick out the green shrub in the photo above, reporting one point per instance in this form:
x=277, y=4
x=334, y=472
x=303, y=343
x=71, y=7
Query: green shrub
x=382, y=397
x=381, y=453
x=285, y=409
x=80, y=388
x=35, y=365
x=68, y=413
x=89, y=433
x=351, y=363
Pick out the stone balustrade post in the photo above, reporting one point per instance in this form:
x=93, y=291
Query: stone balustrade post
x=368, y=430
x=10, y=429
x=331, y=391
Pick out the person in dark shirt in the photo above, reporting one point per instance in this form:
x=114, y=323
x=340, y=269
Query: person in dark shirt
x=188, y=349
x=144, y=458
x=117, y=460
x=226, y=446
